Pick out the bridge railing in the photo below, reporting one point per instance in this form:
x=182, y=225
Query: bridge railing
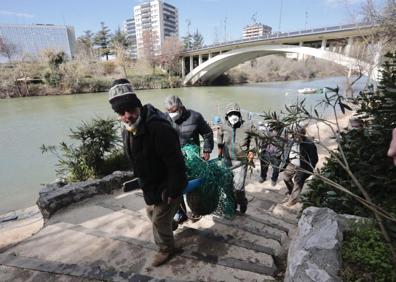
x=283, y=35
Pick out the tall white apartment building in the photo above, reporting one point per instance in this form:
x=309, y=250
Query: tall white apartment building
x=154, y=21
x=130, y=30
x=256, y=30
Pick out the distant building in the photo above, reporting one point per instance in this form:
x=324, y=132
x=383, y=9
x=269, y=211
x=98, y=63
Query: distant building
x=32, y=40
x=130, y=30
x=154, y=21
x=256, y=30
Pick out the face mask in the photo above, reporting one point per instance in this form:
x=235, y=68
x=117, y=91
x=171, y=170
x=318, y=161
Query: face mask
x=174, y=115
x=132, y=127
x=233, y=119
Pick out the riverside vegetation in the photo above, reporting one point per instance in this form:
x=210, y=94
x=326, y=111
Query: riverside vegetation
x=99, y=59
x=367, y=254
x=56, y=75
x=357, y=177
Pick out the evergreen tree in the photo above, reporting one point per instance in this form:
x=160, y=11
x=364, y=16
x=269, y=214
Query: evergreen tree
x=197, y=39
x=102, y=40
x=86, y=41
x=120, y=38
x=187, y=41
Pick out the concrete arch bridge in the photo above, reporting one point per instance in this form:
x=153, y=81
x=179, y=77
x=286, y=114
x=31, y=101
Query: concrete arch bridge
x=209, y=70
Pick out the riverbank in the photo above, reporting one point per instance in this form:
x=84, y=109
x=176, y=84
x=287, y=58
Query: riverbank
x=46, y=78
x=85, y=85
x=277, y=68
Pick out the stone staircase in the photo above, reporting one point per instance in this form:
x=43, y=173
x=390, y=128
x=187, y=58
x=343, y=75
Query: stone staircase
x=109, y=238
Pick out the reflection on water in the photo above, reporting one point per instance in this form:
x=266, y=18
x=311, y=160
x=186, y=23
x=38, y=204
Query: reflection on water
x=26, y=123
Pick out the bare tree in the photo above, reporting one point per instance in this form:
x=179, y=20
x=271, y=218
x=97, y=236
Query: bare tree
x=123, y=57
x=372, y=43
x=170, y=54
x=8, y=49
x=147, y=50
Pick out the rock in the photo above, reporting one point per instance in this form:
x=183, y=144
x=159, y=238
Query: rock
x=348, y=222
x=56, y=196
x=315, y=251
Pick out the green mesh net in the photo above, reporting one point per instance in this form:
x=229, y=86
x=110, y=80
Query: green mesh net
x=216, y=194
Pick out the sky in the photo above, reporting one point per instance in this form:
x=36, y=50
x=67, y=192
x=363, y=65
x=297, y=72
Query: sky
x=215, y=19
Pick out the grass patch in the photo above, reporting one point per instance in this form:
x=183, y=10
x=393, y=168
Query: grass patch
x=366, y=256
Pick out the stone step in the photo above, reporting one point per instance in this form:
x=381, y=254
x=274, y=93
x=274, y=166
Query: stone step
x=78, y=245
x=120, y=225
x=289, y=220
x=254, y=227
x=284, y=216
x=267, y=218
x=235, y=236
x=17, y=268
x=231, y=235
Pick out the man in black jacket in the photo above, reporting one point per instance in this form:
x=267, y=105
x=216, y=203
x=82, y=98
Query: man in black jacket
x=301, y=156
x=189, y=125
x=153, y=148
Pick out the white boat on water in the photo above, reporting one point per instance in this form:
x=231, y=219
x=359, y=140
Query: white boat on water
x=307, y=90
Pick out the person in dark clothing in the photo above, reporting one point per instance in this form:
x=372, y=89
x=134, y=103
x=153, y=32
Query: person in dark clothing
x=301, y=155
x=152, y=146
x=189, y=125
x=270, y=154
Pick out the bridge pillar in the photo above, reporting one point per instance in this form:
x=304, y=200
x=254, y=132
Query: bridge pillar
x=183, y=66
x=324, y=43
x=199, y=59
x=191, y=63
x=348, y=48
x=210, y=56
x=300, y=56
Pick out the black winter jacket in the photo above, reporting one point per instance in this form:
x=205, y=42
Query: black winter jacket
x=156, y=157
x=308, y=154
x=189, y=126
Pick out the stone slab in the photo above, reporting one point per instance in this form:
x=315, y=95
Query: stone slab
x=61, y=243
x=17, y=274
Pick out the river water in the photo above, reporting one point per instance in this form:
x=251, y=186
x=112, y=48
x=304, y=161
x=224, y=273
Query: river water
x=27, y=123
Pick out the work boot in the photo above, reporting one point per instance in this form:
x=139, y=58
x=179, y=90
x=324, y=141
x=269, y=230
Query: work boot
x=273, y=182
x=261, y=180
x=241, y=200
x=175, y=225
x=291, y=203
x=162, y=257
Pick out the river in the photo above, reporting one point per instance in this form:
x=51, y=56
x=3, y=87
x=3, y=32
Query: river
x=27, y=123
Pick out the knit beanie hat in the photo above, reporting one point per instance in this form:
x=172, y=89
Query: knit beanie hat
x=122, y=97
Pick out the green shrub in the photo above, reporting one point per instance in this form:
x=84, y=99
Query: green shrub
x=366, y=257
x=97, y=152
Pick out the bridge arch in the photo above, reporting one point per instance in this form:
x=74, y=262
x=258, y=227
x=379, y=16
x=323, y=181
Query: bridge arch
x=212, y=68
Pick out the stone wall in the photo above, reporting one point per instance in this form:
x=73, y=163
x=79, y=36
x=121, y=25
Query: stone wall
x=56, y=196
